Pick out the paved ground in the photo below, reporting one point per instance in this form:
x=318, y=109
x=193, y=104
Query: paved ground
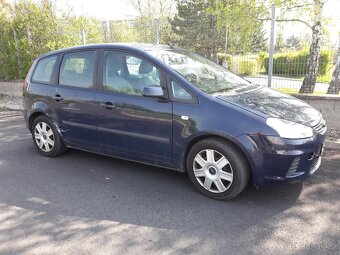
x=82, y=203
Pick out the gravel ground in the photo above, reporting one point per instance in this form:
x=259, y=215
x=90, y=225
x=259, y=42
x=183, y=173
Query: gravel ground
x=5, y=99
x=332, y=134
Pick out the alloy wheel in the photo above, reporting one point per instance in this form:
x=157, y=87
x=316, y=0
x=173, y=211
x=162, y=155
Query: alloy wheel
x=213, y=171
x=44, y=136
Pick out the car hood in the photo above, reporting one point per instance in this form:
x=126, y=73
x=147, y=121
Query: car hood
x=270, y=103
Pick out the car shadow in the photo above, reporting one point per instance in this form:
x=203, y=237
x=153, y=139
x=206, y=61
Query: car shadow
x=82, y=184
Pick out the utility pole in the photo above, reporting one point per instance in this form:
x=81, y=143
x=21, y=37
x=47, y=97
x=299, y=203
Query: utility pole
x=83, y=36
x=156, y=31
x=225, y=62
x=29, y=38
x=271, y=47
x=18, y=50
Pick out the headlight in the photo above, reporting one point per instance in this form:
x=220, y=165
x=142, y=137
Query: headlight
x=290, y=130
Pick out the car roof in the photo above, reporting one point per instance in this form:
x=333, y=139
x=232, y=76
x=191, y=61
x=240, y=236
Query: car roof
x=122, y=46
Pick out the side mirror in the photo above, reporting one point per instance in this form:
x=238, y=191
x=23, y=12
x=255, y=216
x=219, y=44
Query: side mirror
x=153, y=91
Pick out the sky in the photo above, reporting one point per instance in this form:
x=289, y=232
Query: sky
x=122, y=9
x=101, y=9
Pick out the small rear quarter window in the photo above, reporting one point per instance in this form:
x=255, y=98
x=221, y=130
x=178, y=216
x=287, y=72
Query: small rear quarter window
x=44, y=69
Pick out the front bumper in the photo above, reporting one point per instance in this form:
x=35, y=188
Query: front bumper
x=277, y=160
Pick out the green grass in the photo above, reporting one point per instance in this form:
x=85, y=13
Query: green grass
x=295, y=91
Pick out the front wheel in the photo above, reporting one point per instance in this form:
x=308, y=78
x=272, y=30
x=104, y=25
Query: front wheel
x=46, y=137
x=217, y=169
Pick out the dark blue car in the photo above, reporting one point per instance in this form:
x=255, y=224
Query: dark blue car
x=171, y=108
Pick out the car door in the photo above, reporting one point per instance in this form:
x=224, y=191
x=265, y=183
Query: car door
x=74, y=99
x=186, y=112
x=129, y=124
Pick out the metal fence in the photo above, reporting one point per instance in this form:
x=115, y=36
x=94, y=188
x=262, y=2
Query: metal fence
x=289, y=65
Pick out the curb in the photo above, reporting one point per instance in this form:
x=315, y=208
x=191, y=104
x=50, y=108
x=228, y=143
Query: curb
x=11, y=107
x=330, y=145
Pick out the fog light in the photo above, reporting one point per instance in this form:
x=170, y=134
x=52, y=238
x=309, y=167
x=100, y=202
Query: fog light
x=293, y=167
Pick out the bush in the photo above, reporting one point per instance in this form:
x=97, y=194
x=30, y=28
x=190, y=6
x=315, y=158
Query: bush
x=325, y=62
x=247, y=67
x=261, y=60
x=221, y=57
x=295, y=63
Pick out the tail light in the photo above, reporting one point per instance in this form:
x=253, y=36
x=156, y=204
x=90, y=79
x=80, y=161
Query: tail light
x=25, y=85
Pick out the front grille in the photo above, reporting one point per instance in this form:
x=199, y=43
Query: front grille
x=320, y=127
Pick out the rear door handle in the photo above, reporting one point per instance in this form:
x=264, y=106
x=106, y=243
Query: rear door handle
x=107, y=105
x=58, y=98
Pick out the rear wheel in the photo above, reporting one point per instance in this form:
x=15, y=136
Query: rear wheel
x=217, y=169
x=46, y=138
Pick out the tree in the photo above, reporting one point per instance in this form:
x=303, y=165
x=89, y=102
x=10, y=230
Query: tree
x=334, y=86
x=148, y=11
x=38, y=28
x=279, y=42
x=211, y=26
x=259, y=41
x=307, y=8
x=314, y=51
x=8, y=54
x=240, y=20
x=293, y=42
x=196, y=29
x=35, y=27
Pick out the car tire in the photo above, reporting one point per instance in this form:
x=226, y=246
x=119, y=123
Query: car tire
x=217, y=169
x=46, y=137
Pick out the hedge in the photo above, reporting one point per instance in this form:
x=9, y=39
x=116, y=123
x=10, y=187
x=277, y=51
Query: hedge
x=295, y=63
x=221, y=57
x=247, y=67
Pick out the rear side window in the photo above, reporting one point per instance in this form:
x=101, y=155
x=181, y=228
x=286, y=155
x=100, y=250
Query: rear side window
x=44, y=69
x=77, y=69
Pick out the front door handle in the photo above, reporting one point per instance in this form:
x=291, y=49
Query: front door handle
x=107, y=105
x=58, y=97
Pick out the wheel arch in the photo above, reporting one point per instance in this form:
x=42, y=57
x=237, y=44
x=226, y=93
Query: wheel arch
x=38, y=109
x=234, y=142
x=32, y=117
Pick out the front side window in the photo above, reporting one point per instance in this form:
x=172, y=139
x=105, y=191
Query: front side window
x=179, y=92
x=44, y=69
x=77, y=69
x=128, y=74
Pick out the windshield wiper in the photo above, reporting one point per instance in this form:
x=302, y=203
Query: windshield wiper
x=221, y=90
x=247, y=88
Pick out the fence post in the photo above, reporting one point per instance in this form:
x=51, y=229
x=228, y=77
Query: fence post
x=225, y=62
x=156, y=31
x=29, y=38
x=17, y=50
x=83, y=36
x=106, y=27
x=271, y=47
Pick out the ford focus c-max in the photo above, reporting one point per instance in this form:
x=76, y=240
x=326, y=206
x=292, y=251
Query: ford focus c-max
x=174, y=109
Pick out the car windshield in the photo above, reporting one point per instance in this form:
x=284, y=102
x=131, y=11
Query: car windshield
x=203, y=73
